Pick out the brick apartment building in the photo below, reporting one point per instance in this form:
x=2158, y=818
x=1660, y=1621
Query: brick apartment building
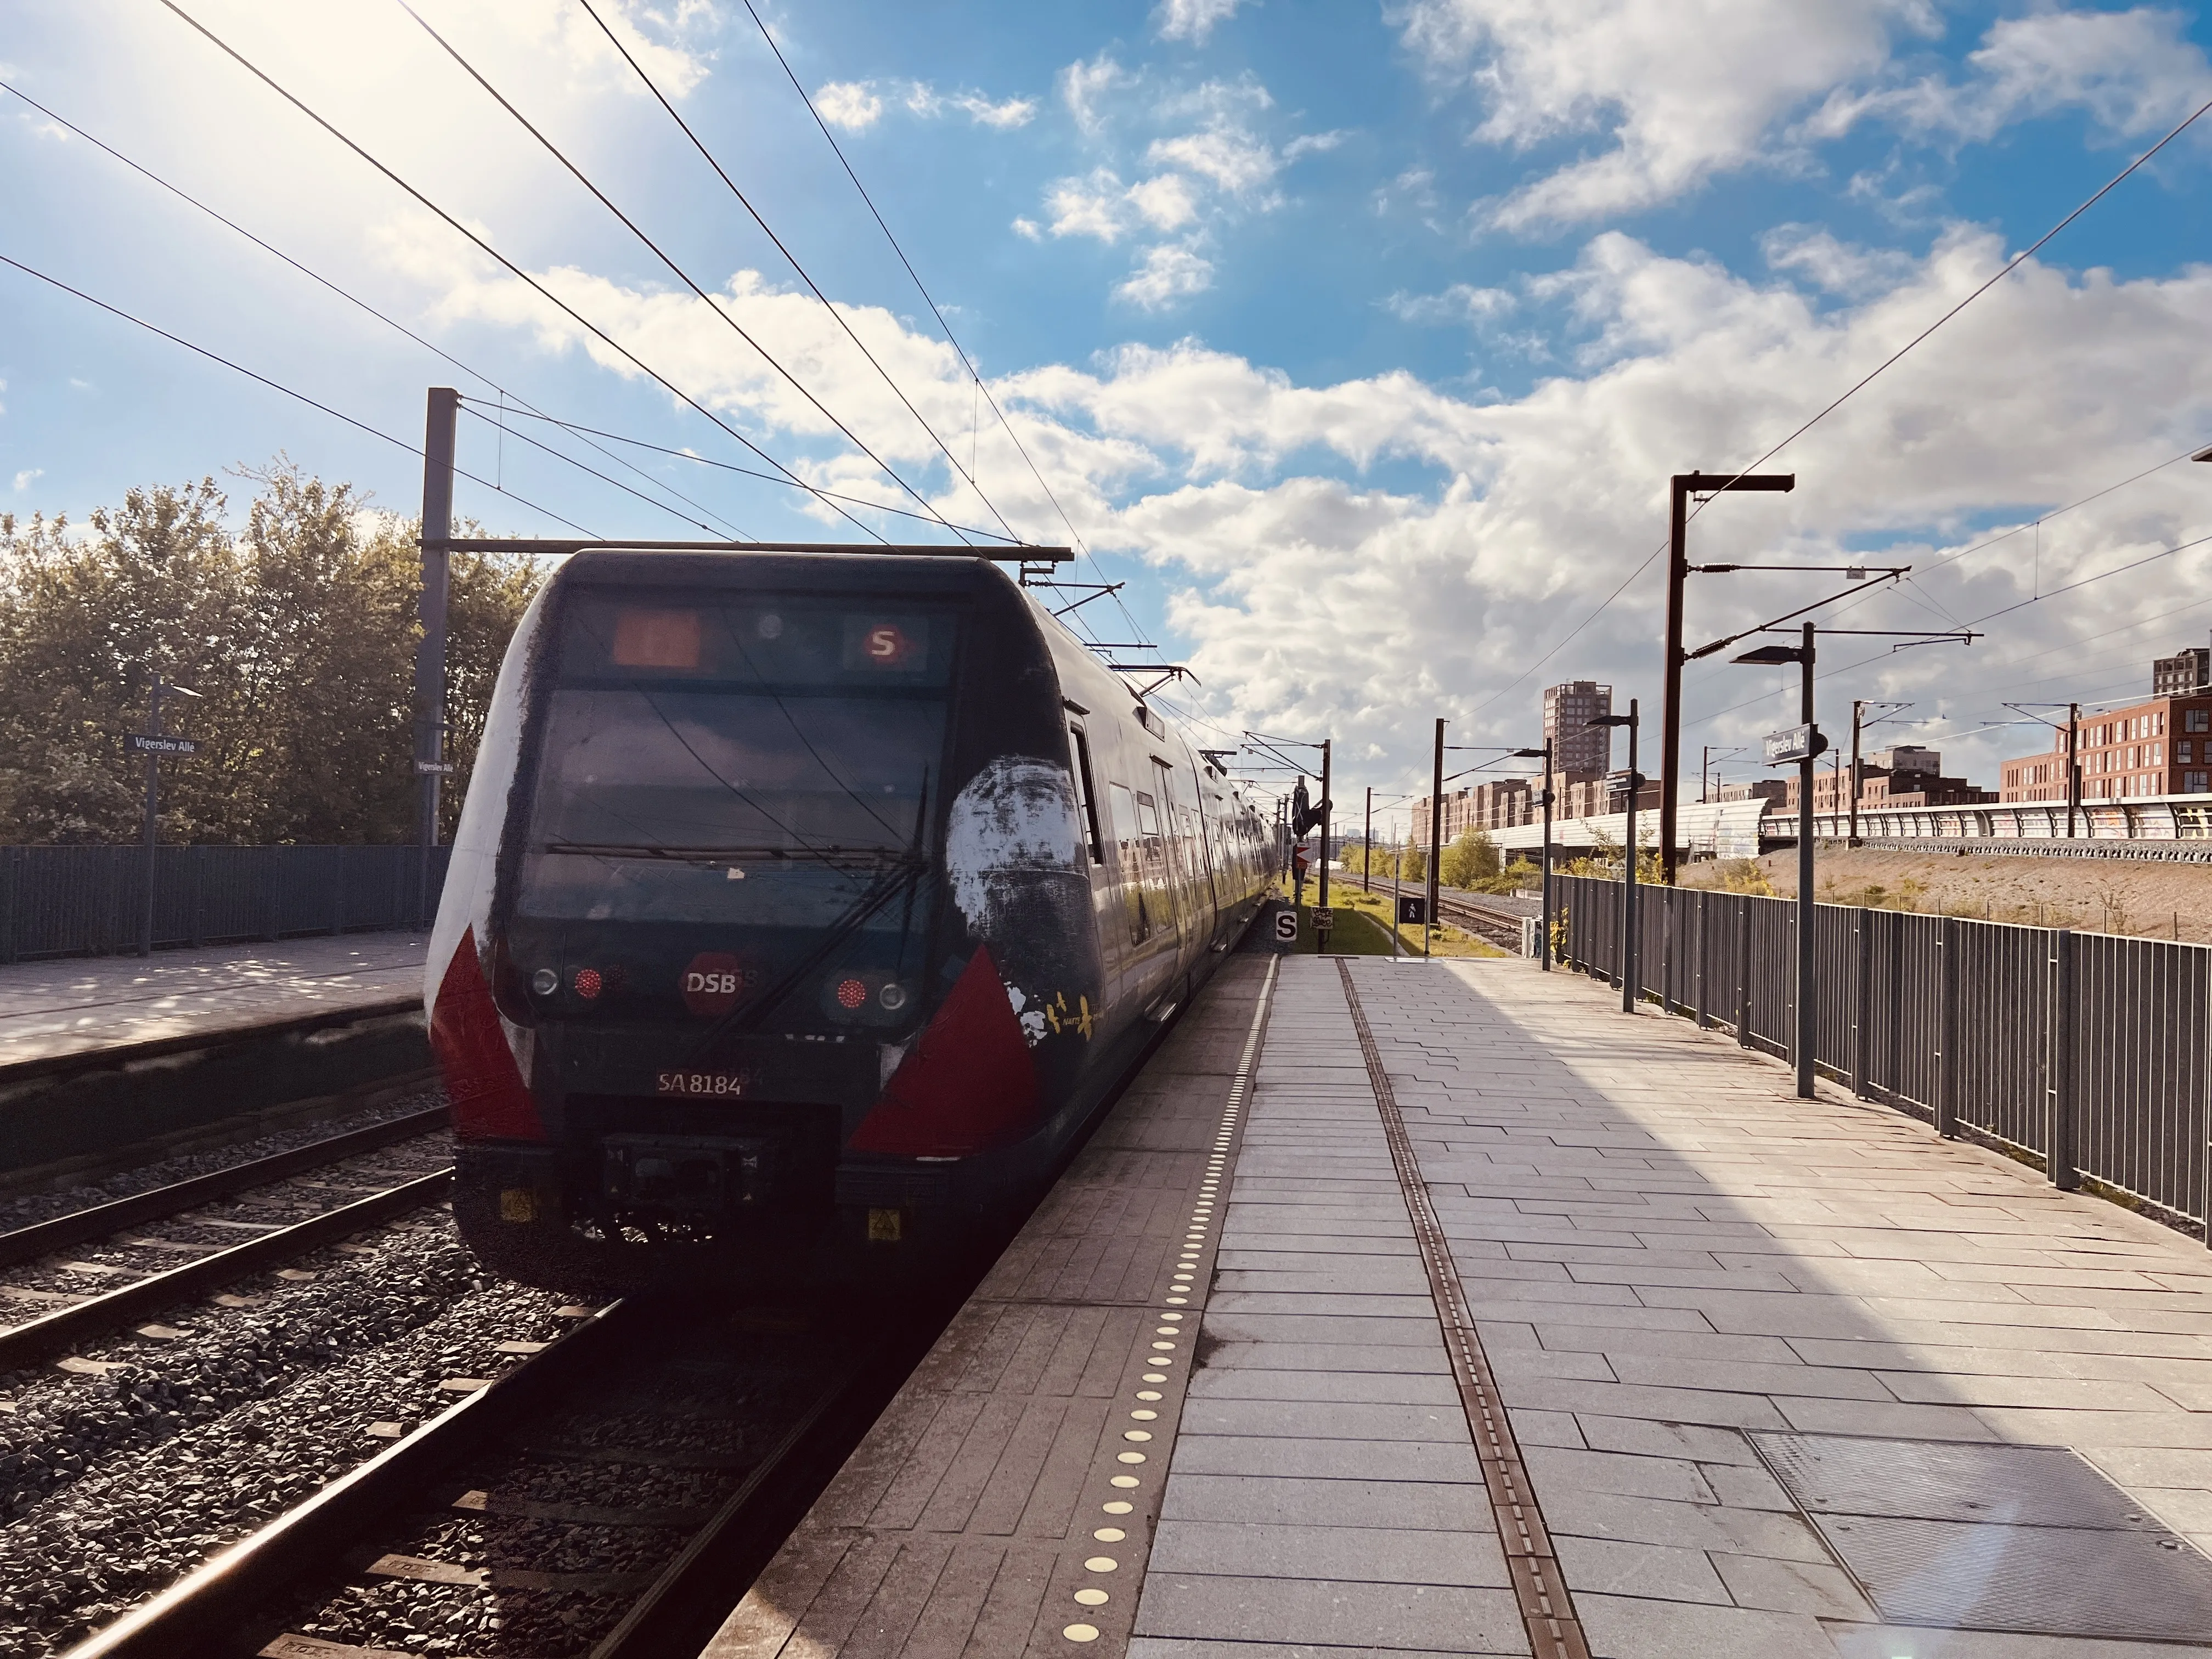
x=1510, y=802
x=1904, y=775
x=2162, y=746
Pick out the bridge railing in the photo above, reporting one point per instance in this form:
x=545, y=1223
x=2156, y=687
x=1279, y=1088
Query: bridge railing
x=91, y=901
x=2083, y=1054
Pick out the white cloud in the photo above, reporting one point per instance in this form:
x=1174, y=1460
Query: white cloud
x=1029, y=228
x=849, y=105
x=1682, y=91
x=1838, y=267
x=1313, y=144
x=1193, y=20
x=1167, y=201
x=1234, y=159
x=856, y=106
x=1008, y=112
x=2133, y=72
x=1168, y=273
x=26, y=478
x=1098, y=205
x=1461, y=302
x=1082, y=85
x=1303, y=592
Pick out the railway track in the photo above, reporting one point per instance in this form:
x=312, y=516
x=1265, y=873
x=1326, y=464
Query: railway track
x=232, y=1223
x=600, y=1498
x=1494, y=920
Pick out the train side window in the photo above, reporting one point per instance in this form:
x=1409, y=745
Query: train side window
x=1128, y=858
x=1160, y=863
x=1087, y=793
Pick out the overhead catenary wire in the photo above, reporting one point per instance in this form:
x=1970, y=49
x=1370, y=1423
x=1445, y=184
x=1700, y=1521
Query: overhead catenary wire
x=505, y=263
x=967, y=360
x=677, y=270
x=279, y=386
x=745, y=201
x=743, y=471
x=349, y=297
x=2004, y=610
x=1867, y=379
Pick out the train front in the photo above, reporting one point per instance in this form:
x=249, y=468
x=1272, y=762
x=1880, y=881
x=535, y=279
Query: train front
x=713, y=1003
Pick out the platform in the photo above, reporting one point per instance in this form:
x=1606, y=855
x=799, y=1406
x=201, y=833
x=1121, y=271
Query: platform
x=73, y=1004
x=1643, y=1357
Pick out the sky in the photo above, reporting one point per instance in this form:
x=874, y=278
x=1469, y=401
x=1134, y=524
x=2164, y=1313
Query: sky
x=1359, y=341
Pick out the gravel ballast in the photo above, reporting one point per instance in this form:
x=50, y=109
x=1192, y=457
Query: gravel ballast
x=115, y=1485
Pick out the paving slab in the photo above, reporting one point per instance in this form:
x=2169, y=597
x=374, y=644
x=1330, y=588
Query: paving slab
x=78, y=1005
x=1825, y=1266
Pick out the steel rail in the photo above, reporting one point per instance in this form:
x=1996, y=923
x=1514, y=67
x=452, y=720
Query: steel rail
x=42, y=1338
x=697, y=1583
x=214, y=1599
x=42, y=1238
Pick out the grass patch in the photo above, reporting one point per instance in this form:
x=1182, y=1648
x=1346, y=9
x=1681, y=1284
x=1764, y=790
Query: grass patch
x=1364, y=926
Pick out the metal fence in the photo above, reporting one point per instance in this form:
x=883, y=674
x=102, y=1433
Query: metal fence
x=91, y=901
x=2082, y=1053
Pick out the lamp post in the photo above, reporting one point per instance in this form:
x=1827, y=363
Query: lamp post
x=1544, y=953
x=1809, y=747
x=1629, y=975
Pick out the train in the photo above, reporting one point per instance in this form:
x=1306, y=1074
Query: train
x=803, y=910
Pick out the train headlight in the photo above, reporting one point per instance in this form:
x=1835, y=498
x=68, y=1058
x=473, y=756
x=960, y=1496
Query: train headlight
x=545, y=981
x=892, y=996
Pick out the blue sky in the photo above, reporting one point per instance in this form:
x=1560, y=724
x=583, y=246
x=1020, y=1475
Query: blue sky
x=1361, y=340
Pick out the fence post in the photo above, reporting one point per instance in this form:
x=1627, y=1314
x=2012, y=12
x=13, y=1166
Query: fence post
x=1894, y=1088
x=1947, y=1028
x=1669, y=916
x=1861, y=999
x=14, y=891
x=1743, y=904
x=2058, y=1040
x=1704, y=910
x=338, y=891
x=198, y=884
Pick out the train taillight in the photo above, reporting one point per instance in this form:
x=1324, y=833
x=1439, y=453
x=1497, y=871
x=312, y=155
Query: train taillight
x=851, y=993
x=586, y=983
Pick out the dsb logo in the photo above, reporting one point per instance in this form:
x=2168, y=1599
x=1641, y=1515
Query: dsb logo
x=714, y=981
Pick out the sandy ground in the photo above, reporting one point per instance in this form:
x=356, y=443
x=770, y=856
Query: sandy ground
x=2113, y=895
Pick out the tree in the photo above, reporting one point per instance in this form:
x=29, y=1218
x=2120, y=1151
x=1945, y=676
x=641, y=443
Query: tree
x=1471, y=860
x=1415, y=867
x=299, y=636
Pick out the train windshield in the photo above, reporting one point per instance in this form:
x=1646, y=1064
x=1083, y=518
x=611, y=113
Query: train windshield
x=747, y=759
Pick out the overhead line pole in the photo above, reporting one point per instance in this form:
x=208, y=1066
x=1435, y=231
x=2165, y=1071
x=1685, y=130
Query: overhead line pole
x=1681, y=488
x=445, y=405
x=1436, y=842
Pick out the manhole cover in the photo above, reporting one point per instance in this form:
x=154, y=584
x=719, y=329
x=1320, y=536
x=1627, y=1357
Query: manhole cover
x=1966, y=1536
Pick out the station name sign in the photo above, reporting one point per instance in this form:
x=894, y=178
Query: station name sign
x=1795, y=743
x=139, y=744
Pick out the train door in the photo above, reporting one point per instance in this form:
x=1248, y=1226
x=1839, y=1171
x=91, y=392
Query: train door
x=1175, y=824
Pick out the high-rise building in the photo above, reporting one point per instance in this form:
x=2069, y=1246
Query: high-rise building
x=1577, y=746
